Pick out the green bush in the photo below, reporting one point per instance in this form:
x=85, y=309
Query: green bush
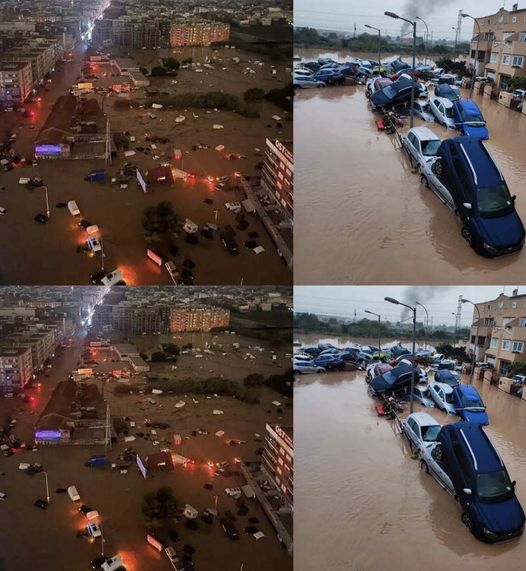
x=253, y=94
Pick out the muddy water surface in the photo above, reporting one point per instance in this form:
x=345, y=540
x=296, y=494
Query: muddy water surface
x=363, y=503
x=362, y=215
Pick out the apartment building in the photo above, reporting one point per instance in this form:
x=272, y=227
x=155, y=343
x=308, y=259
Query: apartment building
x=500, y=326
x=137, y=34
x=278, y=459
x=277, y=175
x=16, y=83
x=140, y=318
x=199, y=33
x=16, y=368
x=198, y=319
x=499, y=40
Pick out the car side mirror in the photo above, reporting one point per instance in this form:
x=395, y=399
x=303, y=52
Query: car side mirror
x=513, y=484
x=467, y=205
x=467, y=491
x=514, y=198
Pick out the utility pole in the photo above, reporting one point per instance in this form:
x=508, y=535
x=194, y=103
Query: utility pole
x=108, y=427
x=459, y=313
x=108, y=142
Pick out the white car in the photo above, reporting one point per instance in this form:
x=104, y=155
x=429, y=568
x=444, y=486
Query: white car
x=422, y=110
x=442, y=109
x=301, y=72
x=421, y=429
x=303, y=367
x=94, y=244
x=442, y=394
x=306, y=82
x=302, y=358
x=94, y=530
x=3, y=210
x=422, y=395
x=421, y=144
x=112, y=278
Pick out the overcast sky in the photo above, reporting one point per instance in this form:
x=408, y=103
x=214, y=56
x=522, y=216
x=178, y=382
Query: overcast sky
x=440, y=301
x=440, y=15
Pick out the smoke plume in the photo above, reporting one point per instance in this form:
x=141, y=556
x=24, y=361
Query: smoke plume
x=421, y=8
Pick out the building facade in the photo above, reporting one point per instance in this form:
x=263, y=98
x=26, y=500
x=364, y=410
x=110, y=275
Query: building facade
x=16, y=83
x=500, y=45
x=501, y=332
x=198, y=319
x=278, y=459
x=277, y=175
x=16, y=368
x=203, y=33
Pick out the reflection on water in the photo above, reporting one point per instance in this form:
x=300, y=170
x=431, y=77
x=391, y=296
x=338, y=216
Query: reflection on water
x=362, y=502
x=353, y=183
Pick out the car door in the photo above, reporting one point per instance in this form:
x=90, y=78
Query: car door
x=412, y=431
x=440, y=475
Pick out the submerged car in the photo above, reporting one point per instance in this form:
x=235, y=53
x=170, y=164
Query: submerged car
x=300, y=82
x=422, y=395
x=465, y=177
x=451, y=378
x=397, y=378
x=421, y=429
x=491, y=510
x=469, y=120
x=397, y=93
x=446, y=91
x=469, y=405
x=443, y=111
x=422, y=110
x=305, y=367
x=443, y=396
x=421, y=145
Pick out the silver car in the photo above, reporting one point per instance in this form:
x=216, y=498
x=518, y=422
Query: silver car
x=421, y=144
x=442, y=394
x=304, y=367
x=421, y=395
x=421, y=429
x=305, y=82
x=430, y=465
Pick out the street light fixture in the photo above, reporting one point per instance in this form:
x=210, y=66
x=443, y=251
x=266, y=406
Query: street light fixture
x=379, y=44
x=464, y=15
x=427, y=36
x=474, y=360
x=379, y=319
x=413, y=309
x=411, y=111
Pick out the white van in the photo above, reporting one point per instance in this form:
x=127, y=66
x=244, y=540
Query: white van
x=190, y=512
x=73, y=208
x=73, y=494
x=190, y=227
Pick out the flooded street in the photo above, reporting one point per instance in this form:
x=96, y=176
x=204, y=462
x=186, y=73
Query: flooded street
x=359, y=187
x=362, y=502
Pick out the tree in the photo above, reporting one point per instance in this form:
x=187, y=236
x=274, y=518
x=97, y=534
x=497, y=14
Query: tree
x=253, y=94
x=158, y=357
x=253, y=380
x=144, y=70
x=161, y=504
x=187, y=61
x=171, y=349
x=187, y=346
x=158, y=71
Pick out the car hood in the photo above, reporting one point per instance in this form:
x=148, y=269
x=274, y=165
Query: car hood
x=501, y=517
x=479, y=132
x=475, y=416
x=502, y=232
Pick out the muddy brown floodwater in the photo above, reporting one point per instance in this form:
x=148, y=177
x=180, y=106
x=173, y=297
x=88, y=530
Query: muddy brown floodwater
x=353, y=183
x=362, y=502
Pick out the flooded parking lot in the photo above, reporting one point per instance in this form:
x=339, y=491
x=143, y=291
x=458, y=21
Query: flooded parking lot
x=360, y=187
x=362, y=501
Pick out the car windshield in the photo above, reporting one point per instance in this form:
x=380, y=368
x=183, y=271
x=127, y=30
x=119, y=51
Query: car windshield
x=494, y=486
x=430, y=433
x=449, y=112
x=430, y=148
x=471, y=403
x=472, y=117
x=450, y=398
x=494, y=200
x=389, y=92
x=389, y=378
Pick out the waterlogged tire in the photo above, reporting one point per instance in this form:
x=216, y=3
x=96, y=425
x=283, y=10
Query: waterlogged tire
x=424, y=181
x=439, y=454
x=467, y=521
x=424, y=466
x=468, y=236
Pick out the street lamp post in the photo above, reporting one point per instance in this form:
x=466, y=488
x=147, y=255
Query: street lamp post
x=411, y=111
x=427, y=37
x=464, y=15
x=379, y=44
x=474, y=360
x=413, y=309
x=427, y=324
x=379, y=333
x=47, y=487
x=47, y=202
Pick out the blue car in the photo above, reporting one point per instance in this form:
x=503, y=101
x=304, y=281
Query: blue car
x=397, y=378
x=447, y=91
x=476, y=187
x=329, y=361
x=448, y=377
x=491, y=510
x=329, y=76
x=469, y=405
x=469, y=119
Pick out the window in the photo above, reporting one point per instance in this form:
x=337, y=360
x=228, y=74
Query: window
x=506, y=35
x=501, y=19
x=517, y=61
x=494, y=58
x=506, y=59
x=501, y=304
x=522, y=36
x=522, y=322
x=513, y=304
x=494, y=343
x=514, y=19
x=518, y=346
x=506, y=344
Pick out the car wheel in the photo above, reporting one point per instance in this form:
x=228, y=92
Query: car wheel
x=467, y=235
x=424, y=181
x=439, y=454
x=467, y=521
x=424, y=466
x=297, y=372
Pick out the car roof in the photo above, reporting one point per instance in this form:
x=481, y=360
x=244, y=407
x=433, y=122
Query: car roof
x=423, y=419
x=469, y=391
x=468, y=105
x=424, y=133
x=444, y=100
x=445, y=387
x=446, y=373
x=486, y=456
x=487, y=170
